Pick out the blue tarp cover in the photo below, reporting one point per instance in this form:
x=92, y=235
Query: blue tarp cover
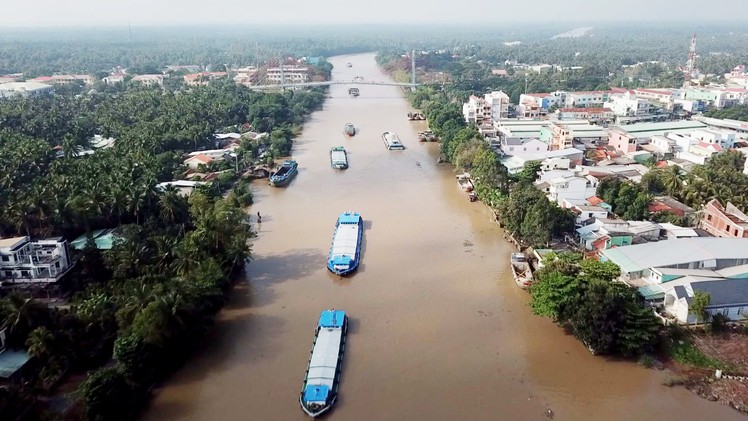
x=316, y=393
x=349, y=218
x=332, y=318
x=341, y=260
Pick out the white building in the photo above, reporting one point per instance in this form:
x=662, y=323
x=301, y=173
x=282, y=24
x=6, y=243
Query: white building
x=25, y=89
x=522, y=147
x=26, y=261
x=723, y=138
x=728, y=297
x=629, y=105
x=565, y=188
x=288, y=74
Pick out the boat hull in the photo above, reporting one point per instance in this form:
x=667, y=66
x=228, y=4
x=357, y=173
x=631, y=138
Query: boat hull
x=284, y=175
x=521, y=271
x=352, y=264
x=315, y=409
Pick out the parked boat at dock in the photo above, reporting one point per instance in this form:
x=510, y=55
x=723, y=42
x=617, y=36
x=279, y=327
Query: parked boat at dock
x=338, y=158
x=322, y=380
x=416, y=116
x=465, y=182
x=391, y=141
x=427, y=136
x=349, y=129
x=521, y=270
x=345, y=252
x=284, y=174
x=353, y=91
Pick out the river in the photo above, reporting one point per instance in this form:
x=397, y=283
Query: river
x=438, y=329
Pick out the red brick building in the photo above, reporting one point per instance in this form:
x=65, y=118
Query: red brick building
x=726, y=221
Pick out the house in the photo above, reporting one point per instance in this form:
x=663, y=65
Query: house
x=185, y=187
x=685, y=253
x=148, y=80
x=523, y=147
x=728, y=297
x=668, y=204
x=671, y=231
x=192, y=68
x=586, y=212
x=514, y=164
x=38, y=261
x=114, y=78
x=484, y=111
x=499, y=72
x=570, y=187
x=726, y=222
x=203, y=78
x=25, y=89
x=564, y=134
x=195, y=161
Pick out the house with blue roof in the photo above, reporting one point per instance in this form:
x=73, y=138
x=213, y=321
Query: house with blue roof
x=728, y=297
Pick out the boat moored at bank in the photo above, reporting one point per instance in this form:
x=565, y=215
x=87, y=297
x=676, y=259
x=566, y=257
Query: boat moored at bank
x=322, y=380
x=287, y=170
x=391, y=141
x=353, y=91
x=465, y=182
x=345, y=252
x=338, y=158
x=521, y=270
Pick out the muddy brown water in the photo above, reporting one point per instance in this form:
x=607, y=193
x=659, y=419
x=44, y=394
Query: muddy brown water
x=438, y=329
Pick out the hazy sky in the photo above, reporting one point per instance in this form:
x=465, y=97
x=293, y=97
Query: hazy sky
x=147, y=12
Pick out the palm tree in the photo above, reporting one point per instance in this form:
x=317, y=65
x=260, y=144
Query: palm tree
x=40, y=342
x=672, y=180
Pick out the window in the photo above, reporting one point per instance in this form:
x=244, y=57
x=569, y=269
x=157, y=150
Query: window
x=25, y=274
x=709, y=218
x=727, y=229
x=6, y=259
x=736, y=232
x=9, y=274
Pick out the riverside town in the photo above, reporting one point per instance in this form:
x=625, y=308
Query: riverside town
x=237, y=220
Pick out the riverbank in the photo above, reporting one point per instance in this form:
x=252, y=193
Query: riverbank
x=433, y=296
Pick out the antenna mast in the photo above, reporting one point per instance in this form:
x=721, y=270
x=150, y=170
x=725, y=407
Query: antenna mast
x=691, y=63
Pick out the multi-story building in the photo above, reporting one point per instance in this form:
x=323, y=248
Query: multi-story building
x=245, y=75
x=727, y=221
x=288, y=74
x=723, y=138
x=26, y=261
x=663, y=96
x=485, y=111
x=630, y=105
x=585, y=99
x=64, y=79
x=717, y=96
x=563, y=134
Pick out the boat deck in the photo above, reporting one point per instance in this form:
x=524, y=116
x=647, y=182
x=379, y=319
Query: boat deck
x=338, y=157
x=324, y=361
x=345, y=241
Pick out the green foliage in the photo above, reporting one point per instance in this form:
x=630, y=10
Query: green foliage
x=107, y=395
x=682, y=350
x=530, y=214
x=698, y=306
x=554, y=294
x=738, y=112
x=629, y=200
x=608, y=317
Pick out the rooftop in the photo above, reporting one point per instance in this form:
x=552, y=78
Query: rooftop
x=640, y=130
x=726, y=292
x=639, y=257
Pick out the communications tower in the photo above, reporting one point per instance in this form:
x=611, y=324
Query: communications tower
x=691, y=63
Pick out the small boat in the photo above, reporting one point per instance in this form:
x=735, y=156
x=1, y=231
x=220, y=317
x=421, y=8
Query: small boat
x=348, y=65
x=521, y=270
x=419, y=116
x=391, y=141
x=284, y=174
x=411, y=116
x=426, y=136
x=349, y=129
x=353, y=91
x=345, y=251
x=465, y=183
x=322, y=380
x=338, y=158
x=472, y=196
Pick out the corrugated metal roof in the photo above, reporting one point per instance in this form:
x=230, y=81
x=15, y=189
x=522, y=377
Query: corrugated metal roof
x=638, y=257
x=12, y=361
